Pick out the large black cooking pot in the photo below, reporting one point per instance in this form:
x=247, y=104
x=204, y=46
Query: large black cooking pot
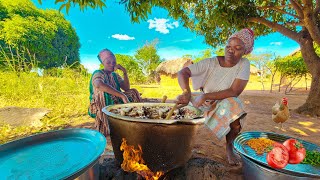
x=166, y=144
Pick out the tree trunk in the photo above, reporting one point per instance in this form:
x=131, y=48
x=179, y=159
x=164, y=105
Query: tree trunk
x=272, y=77
x=280, y=82
x=306, y=81
x=312, y=60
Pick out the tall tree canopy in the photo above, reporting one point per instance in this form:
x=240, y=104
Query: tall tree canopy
x=44, y=33
x=299, y=20
x=147, y=58
x=128, y=62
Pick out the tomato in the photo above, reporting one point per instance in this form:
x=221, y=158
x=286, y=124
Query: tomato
x=278, y=157
x=296, y=151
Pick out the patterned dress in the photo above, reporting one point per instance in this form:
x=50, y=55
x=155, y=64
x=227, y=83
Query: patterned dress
x=100, y=99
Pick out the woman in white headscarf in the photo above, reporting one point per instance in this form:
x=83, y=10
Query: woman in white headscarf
x=221, y=80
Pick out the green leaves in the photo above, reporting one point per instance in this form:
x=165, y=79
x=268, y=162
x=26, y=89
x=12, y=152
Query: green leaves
x=132, y=67
x=148, y=59
x=81, y=3
x=292, y=65
x=44, y=32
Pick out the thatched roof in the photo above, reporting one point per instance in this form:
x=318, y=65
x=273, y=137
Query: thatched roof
x=295, y=52
x=254, y=70
x=171, y=67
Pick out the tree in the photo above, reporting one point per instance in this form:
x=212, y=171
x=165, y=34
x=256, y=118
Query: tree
x=219, y=51
x=44, y=33
x=147, y=58
x=261, y=61
x=298, y=20
x=273, y=69
x=203, y=55
x=292, y=67
x=132, y=67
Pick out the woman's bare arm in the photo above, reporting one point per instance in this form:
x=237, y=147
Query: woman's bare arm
x=125, y=84
x=101, y=86
x=235, y=90
x=183, y=80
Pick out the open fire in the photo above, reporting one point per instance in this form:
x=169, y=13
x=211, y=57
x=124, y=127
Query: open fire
x=133, y=162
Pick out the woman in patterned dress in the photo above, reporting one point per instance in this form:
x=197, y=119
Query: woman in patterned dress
x=105, y=89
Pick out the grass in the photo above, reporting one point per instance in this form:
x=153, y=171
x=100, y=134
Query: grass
x=67, y=98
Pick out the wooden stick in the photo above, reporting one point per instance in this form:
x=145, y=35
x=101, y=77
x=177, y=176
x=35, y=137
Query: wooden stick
x=164, y=99
x=174, y=107
x=171, y=111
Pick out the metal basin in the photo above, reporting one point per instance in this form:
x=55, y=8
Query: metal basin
x=166, y=144
x=62, y=154
x=291, y=170
x=256, y=171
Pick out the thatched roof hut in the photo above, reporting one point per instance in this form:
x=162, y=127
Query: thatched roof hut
x=171, y=67
x=295, y=52
x=254, y=70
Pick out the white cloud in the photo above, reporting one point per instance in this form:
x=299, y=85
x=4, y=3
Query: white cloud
x=276, y=43
x=122, y=37
x=162, y=25
x=183, y=40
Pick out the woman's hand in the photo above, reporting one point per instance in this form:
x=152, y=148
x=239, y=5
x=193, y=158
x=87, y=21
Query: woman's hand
x=124, y=99
x=118, y=66
x=183, y=99
x=199, y=101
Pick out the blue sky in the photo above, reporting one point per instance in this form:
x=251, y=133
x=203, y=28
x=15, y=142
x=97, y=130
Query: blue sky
x=113, y=29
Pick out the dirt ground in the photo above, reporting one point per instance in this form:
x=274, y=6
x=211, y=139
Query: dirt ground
x=258, y=105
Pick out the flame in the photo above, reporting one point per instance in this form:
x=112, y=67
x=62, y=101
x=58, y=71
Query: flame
x=133, y=162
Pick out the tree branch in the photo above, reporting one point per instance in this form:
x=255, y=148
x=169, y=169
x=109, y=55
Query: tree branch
x=279, y=10
x=294, y=23
x=276, y=27
x=297, y=7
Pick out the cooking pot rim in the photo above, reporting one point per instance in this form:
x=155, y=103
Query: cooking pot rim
x=199, y=120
